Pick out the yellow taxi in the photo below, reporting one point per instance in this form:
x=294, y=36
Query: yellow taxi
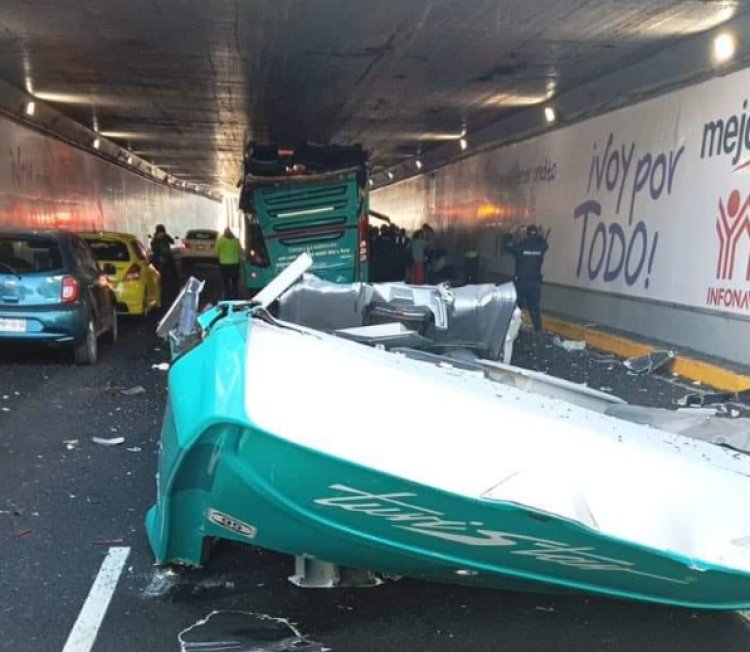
x=137, y=283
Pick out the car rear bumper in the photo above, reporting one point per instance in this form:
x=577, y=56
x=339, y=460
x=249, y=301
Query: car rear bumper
x=130, y=297
x=46, y=325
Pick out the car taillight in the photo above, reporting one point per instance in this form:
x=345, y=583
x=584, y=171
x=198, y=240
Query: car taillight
x=70, y=289
x=363, y=236
x=133, y=273
x=186, y=245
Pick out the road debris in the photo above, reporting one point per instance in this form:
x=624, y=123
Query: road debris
x=701, y=399
x=112, y=441
x=21, y=533
x=134, y=449
x=162, y=582
x=649, y=363
x=133, y=391
x=162, y=366
x=242, y=631
x=70, y=444
x=569, y=345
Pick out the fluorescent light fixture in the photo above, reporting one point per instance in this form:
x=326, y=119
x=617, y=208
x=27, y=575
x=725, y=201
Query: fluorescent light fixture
x=724, y=47
x=464, y=144
x=418, y=163
x=30, y=108
x=550, y=115
x=97, y=143
x=390, y=175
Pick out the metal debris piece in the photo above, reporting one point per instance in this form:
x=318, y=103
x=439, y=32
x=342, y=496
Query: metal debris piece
x=70, y=444
x=112, y=441
x=649, y=363
x=703, y=424
x=700, y=399
x=133, y=391
x=389, y=335
x=134, y=449
x=242, y=631
x=569, y=345
x=162, y=582
x=162, y=366
x=478, y=317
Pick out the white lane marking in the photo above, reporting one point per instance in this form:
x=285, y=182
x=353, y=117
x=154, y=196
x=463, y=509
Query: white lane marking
x=83, y=634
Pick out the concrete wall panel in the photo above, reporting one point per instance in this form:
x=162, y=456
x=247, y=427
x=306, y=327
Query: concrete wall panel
x=47, y=183
x=648, y=210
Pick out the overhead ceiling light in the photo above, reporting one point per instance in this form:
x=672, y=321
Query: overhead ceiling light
x=418, y=163
x=550, y=115
x=390, y=175
x=464, y=144
x=30, y=108
x=97, y=143
x=724, y=47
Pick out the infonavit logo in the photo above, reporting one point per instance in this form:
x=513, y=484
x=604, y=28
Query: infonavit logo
x=732, y=230
x=731, y=224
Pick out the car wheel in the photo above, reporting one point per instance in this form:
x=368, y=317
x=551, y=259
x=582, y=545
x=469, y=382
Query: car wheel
x=114, y=332
x=87, y=351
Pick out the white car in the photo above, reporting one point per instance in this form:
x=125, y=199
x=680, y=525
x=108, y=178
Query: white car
x=198, y=245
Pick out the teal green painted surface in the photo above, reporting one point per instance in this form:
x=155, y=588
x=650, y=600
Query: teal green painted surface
x=324, y=218
x=220, y=476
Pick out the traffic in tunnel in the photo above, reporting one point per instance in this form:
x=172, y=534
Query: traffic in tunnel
x=359, y=326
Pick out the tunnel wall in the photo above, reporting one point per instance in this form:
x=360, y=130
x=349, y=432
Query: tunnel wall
x=647, y=209
x=47, y=183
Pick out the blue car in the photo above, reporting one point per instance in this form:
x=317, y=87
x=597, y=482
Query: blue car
x=53, y=291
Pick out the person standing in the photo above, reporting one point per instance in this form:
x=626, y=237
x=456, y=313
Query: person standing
x=528, y=253
x=163, y=260
x=418, y=252
x=229, y=253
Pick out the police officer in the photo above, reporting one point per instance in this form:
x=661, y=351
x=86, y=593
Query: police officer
x=528, y=253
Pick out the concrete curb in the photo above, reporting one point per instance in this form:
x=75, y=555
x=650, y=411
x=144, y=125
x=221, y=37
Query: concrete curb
x=686, y=367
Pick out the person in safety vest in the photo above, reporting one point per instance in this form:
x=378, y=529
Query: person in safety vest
x=528, y=252
x=229, y=253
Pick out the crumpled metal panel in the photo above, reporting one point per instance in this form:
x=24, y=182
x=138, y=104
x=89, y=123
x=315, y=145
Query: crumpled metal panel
x=696, y=423
x=473, y=316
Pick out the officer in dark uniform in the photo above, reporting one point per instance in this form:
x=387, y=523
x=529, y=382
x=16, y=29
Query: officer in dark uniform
x=528, y=253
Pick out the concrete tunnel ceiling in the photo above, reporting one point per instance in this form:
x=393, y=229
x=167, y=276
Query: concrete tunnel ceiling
x=184, y=83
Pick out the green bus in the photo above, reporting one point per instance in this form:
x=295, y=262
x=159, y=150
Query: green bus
x=322, y=213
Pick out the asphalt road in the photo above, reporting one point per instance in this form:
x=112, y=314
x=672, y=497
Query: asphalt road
x=63, y=505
